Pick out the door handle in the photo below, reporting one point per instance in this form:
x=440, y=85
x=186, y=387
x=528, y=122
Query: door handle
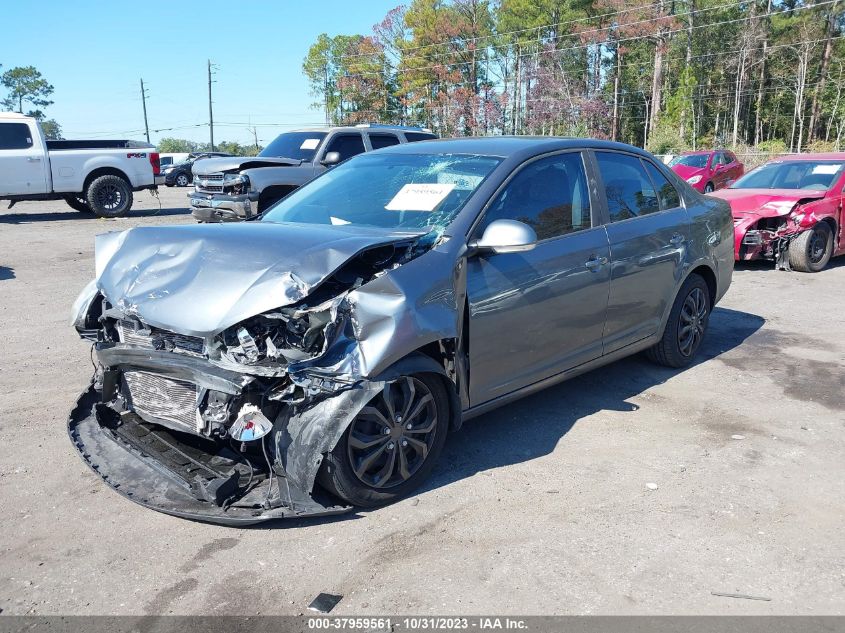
x=594, y=263
x=676, y=240
x=33, y=159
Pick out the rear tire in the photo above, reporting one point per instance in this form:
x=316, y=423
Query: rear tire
x=77, y=204
x=379, y=459
x=686, y=326
x=811, y=250
x=109, y=196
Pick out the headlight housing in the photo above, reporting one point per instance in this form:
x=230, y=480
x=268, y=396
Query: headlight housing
x=694, y=180
x=239, y=183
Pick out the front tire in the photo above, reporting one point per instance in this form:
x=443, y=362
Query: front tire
x=77, y=204
x=709, y=188
x=392, y=444
x=811, y=250
x=109, y=196
x=686, y=327
x=182, y=180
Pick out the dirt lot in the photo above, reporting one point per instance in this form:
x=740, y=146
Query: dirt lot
x=539, y=508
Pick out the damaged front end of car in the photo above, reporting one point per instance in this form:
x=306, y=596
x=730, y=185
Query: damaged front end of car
x=220, y=384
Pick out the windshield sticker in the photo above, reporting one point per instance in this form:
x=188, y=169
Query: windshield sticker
x=420, y=197
x=826, y=169
x=310, y=143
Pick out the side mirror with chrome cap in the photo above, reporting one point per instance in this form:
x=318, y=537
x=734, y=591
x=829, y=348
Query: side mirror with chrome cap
x=505, y=236
x=331, y=158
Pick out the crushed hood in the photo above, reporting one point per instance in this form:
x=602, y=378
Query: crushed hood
x=767, y=202
x=200, y=279
x=236, y=163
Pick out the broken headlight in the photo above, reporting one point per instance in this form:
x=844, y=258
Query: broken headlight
x=238, y=183
x=284, y=336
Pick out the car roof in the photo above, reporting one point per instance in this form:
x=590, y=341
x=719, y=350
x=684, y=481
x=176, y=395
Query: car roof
x=813, y=156
x=364, y=127
x=506, y=146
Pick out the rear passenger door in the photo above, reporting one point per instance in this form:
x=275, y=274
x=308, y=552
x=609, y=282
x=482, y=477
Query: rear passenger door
x=648, y=229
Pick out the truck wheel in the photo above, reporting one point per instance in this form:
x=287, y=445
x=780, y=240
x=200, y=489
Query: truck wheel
x=391, y=445
x=811, y=250
x=109, y=196
x=686, y=326
x=77, y=204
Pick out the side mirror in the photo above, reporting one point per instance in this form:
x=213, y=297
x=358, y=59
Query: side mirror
x=331, y=158
x=506, y=236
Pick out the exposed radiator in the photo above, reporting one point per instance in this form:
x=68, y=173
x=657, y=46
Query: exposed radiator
x=160, y=399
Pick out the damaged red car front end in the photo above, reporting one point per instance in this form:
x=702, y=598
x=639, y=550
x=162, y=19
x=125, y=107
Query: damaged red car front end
x=796, y=224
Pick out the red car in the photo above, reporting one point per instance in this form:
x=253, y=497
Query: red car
x=790, y=210
x=708, y=170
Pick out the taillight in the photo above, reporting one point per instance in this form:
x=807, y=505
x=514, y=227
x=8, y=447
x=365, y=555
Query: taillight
x=155, y=161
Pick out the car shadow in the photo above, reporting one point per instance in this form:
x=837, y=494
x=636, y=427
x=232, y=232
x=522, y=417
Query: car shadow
x=70, y=214
x=6, y=273
x=532, y=427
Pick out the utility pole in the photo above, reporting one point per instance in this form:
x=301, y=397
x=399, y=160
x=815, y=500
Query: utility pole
x=254, y=135
x=144, y=101
x=210, y=114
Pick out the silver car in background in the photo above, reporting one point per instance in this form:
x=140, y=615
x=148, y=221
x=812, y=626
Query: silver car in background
x=315, y=360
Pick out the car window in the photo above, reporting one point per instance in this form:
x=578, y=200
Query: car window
x=666, y=192
x=550, y=195
x=627, y=187
x=347, y=145
x=383, y=140
x=15, y=136
x=413, y=137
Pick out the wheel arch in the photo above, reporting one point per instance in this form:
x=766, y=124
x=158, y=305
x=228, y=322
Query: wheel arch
x=709, y=275
x=104, y=171
x=274, y=193
x=428, y=359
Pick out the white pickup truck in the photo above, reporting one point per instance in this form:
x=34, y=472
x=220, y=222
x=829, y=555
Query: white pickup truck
x=94, y=176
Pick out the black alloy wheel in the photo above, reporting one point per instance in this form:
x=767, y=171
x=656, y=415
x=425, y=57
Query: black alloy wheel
x=390, y=438
x=693, y=319
x=391, y=444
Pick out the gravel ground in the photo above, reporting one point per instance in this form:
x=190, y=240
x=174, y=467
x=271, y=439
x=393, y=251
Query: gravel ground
x=630, y=490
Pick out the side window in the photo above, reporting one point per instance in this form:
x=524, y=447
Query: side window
x=413, y=137
x=15, y=136
x=627, y=187
x=550, y=195
x=347, y=145
x=383, y=140
x=666, y=192
x=719, y=159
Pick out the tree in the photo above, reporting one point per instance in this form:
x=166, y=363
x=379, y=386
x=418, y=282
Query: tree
x=25, y=84
x=177, y=146
x=52, y=130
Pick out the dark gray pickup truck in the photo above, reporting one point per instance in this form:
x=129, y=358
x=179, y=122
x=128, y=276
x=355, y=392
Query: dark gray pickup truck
x=238, y=188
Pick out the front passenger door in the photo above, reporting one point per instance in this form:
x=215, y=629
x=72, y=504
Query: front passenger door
x=648, y=231
x=347, y=144
x=537, y=313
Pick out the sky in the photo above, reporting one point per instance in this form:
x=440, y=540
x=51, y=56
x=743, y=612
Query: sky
x=95, y=54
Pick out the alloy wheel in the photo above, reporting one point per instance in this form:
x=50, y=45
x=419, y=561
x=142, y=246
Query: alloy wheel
x=390, y=439
x=692, y=321
x=110, y=197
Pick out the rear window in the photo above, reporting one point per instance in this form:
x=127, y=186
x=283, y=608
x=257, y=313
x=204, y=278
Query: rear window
x=15, y=136
x=413, y=137
x=383, y=140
